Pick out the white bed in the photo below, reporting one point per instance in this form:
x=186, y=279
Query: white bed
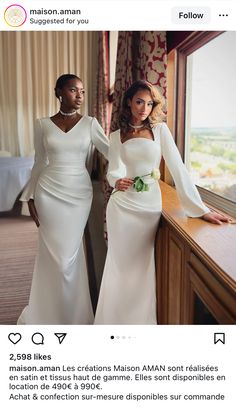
x=14, y=174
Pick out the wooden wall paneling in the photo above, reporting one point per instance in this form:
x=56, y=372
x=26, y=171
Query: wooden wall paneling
x=187, y=304
x=216, y=295
x=175, y=270
x=161, y=257
x=190, y=263
x=214, y=305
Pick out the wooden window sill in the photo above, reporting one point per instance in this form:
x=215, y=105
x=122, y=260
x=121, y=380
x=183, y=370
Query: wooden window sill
x=214, y=244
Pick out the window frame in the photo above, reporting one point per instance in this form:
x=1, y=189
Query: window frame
x=192, y=43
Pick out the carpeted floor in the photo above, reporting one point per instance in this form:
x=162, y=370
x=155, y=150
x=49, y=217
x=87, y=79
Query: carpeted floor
x=18, y=243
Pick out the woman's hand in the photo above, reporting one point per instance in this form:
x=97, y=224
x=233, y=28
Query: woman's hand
x=33, y=212
x=216, y=218
x=123, y=184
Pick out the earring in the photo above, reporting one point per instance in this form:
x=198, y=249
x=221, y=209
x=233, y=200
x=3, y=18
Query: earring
x=60, y=99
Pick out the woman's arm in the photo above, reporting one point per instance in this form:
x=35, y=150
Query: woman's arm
x=216, y=218
x=187, y=191
x=99, y=139
x=33, y=212
x=116, y=168
x=40, y=162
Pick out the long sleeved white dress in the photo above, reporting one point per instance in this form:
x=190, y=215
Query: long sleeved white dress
x=62, y=190
x=127, y=294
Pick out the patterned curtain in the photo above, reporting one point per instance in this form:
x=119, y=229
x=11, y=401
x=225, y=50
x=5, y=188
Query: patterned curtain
x=140, y=55
x=101, y=107
x=102, y=104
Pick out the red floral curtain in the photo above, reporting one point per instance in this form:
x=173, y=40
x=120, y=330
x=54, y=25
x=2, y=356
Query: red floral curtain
x=140, y=55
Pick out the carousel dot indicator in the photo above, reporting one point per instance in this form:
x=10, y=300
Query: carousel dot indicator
x=15, y=15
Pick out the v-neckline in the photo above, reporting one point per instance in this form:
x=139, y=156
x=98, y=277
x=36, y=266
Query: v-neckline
x=65, y=133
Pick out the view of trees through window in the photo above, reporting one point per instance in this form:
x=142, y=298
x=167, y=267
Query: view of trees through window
x=211, y=116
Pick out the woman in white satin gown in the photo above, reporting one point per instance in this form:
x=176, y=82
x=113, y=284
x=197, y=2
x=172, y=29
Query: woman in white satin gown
x=59, y=196
x=127, y=294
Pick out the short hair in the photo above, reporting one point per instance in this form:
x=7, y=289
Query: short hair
x=156, y=116
x=62, y=81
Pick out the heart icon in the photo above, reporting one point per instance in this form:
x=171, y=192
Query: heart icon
x=14, y=337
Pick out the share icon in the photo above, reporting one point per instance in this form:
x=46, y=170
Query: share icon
x=60, y=336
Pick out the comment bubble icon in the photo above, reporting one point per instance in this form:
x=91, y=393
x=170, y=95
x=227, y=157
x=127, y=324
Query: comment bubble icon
x=37, y=338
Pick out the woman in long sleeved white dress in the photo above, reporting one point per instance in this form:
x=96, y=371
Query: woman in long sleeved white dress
x=59, y=196
x=127, y=294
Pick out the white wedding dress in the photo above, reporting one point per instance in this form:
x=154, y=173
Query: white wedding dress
x=62, y=190
x=128, y=288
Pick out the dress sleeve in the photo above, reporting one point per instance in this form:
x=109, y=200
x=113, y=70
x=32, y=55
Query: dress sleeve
x=116, y=168
x=99, y=139
x=187, y=191
x=40, y=162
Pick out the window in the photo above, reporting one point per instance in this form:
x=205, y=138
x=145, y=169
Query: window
x=113, y=44
x=208, y=65
x=211, y=116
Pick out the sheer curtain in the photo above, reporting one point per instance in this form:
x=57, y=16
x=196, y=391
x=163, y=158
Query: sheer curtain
x=30, y=64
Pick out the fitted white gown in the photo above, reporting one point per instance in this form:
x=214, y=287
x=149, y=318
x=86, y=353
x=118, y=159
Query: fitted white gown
x=62, y=190
x=127, y=294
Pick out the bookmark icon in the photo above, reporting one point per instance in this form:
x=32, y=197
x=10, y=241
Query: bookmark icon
x=219, y=338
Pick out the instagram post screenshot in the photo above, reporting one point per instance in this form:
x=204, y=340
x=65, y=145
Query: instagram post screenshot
x=117, y=203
